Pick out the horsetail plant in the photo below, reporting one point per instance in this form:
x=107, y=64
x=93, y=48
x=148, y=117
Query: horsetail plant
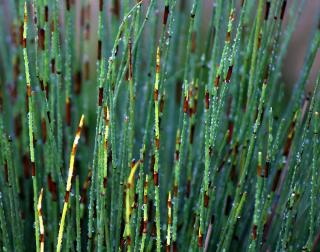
x=193, y=138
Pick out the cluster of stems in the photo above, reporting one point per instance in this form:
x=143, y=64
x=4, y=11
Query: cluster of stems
x=186, y=135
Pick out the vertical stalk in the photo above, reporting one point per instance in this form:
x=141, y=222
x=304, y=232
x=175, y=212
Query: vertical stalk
x=157, y=146
x=30, y=124
x=68, y=187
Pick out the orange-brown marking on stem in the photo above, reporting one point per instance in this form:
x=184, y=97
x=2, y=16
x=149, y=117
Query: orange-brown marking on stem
x=100, y=5
x=254, y=232
x=207, y=100
x=177, y=154
x=206, y=200
x=116, y=8
x=100, y=98
x=28, y=90
x=266, y=169
x=229, y=74
x=44, y=130
x=155, y=95
x=6, y=170
x=259, y=40
x=52, y=186
x=77, y=82
x=174, y=246
x=99, y=49
x=41, y=84
x=67, y=196
x=185, y=105
x=33, y=169
x=161, y=105
x=41, y=41
x=82, y=16
x=156, y=179
x=192, y=129
x=200, y=239
x=157, y=142
x=283, y=9
x=216, y=81
x=68, y=111
x=26, y=165
x=23, y=43
x=289, y=138
x=105, y=180
x=157, y=68
x=259, y=170
x=53, y=65
x=68, y=5
x=165, y=15
x=175, y=190
x=87, y=70
x=267, y=10
x=228, y=37
x=276, y=180
x=193, y=41
x=46, y=13
x=228, y=205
